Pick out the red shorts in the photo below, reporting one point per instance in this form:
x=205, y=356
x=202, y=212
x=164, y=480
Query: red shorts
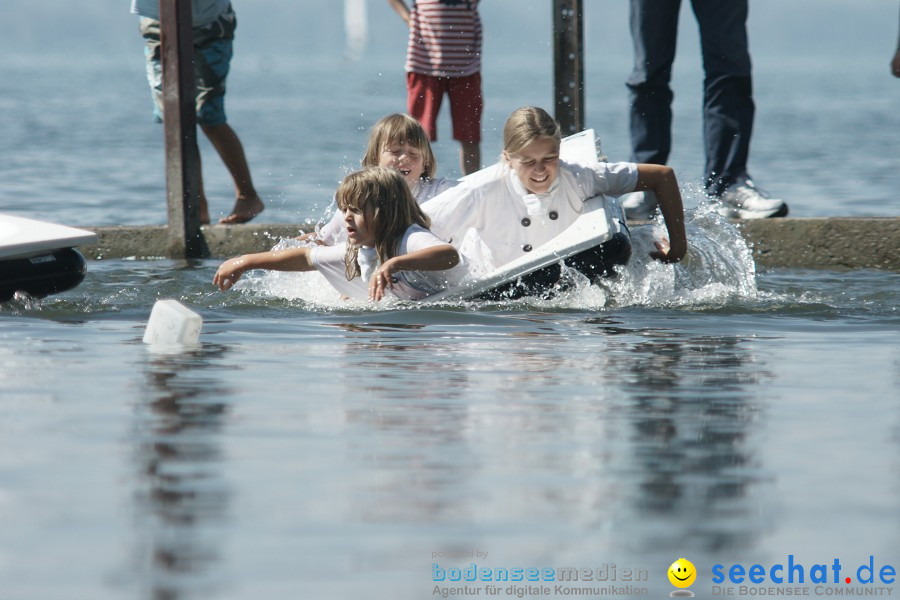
x=423, y=100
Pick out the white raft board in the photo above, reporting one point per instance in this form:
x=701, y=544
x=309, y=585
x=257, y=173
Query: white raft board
x=601, y=219
x=21, y=237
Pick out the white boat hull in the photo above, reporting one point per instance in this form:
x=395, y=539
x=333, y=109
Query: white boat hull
x=39, y=258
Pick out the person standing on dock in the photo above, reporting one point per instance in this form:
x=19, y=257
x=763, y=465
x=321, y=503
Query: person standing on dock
x=728, y=107
x=444, y=57
x=213, y=23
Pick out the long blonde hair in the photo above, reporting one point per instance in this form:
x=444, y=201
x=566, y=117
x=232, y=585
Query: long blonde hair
x=399, y=128
x=393, y=211
x=527, y=124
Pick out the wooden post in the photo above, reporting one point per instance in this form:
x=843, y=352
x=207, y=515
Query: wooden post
x=180, y=123
x=568, y=64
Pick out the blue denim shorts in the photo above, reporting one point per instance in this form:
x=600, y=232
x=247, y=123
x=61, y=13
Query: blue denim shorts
x=212, y=59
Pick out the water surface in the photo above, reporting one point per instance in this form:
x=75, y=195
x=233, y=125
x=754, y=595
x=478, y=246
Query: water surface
x=325, y=449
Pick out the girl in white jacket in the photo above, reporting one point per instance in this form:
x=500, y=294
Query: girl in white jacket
x=531, y=196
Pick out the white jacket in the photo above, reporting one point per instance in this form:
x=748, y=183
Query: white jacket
x=494, y=207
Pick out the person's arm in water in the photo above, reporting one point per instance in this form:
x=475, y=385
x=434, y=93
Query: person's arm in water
x=401, y=8
x=661, y=180
x=291, y=259
x=433, y=258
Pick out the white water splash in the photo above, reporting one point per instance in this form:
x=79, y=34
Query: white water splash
x=718, y=270
x=21, y=301
x=310, y=287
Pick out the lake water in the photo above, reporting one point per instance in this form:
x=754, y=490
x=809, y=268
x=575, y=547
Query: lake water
x=311, y=449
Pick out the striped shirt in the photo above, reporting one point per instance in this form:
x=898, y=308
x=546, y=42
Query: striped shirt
x=444, y=38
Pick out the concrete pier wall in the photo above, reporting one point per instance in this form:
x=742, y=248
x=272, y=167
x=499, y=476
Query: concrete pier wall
x=822, y=243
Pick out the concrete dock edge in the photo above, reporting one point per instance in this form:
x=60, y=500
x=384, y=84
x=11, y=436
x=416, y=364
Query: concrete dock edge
x=822, y=243
x=825, y=243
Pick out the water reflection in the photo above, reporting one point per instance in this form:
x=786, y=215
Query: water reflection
x=593, y=426
x=695, y=406
x=385, y=358
x=181, y=497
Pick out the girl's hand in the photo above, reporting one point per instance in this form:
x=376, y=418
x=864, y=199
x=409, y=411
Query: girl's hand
x=381, y=281
x=229, y=272
x=666, y=253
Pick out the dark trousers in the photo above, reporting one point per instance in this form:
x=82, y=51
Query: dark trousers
x=728, y=90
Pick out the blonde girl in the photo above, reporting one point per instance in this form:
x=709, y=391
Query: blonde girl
x=388, y=248
x=399, y=142
x=531, y=196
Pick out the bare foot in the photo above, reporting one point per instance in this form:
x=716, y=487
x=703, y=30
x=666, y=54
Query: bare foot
x=245, y=209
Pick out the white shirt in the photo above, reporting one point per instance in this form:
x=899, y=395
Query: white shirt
x=334, y=231
x=494, y=205
x=409, y=285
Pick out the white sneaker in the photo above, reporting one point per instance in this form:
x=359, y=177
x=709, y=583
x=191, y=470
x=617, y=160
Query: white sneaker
x=743, y=200
x=639, y=206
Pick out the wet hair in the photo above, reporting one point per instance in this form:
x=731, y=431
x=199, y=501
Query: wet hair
x=393, y=210
x=526, y=125
x=398, y=128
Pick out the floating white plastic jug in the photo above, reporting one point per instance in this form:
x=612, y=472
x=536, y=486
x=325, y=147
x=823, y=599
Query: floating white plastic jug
x=172, y=324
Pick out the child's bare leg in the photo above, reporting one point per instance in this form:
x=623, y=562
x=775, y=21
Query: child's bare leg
x=469, y=157
x=247, y=203
x=204, y=207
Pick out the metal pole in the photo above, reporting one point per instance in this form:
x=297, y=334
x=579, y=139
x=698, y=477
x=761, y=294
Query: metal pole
x=180, y=124
x=568, y=64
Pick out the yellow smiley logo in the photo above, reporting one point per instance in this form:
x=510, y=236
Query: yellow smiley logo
x=682, y=573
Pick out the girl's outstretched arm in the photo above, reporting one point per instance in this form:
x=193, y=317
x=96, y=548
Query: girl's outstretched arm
x=661, y=180
x=434, y=258
x=291, y=259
